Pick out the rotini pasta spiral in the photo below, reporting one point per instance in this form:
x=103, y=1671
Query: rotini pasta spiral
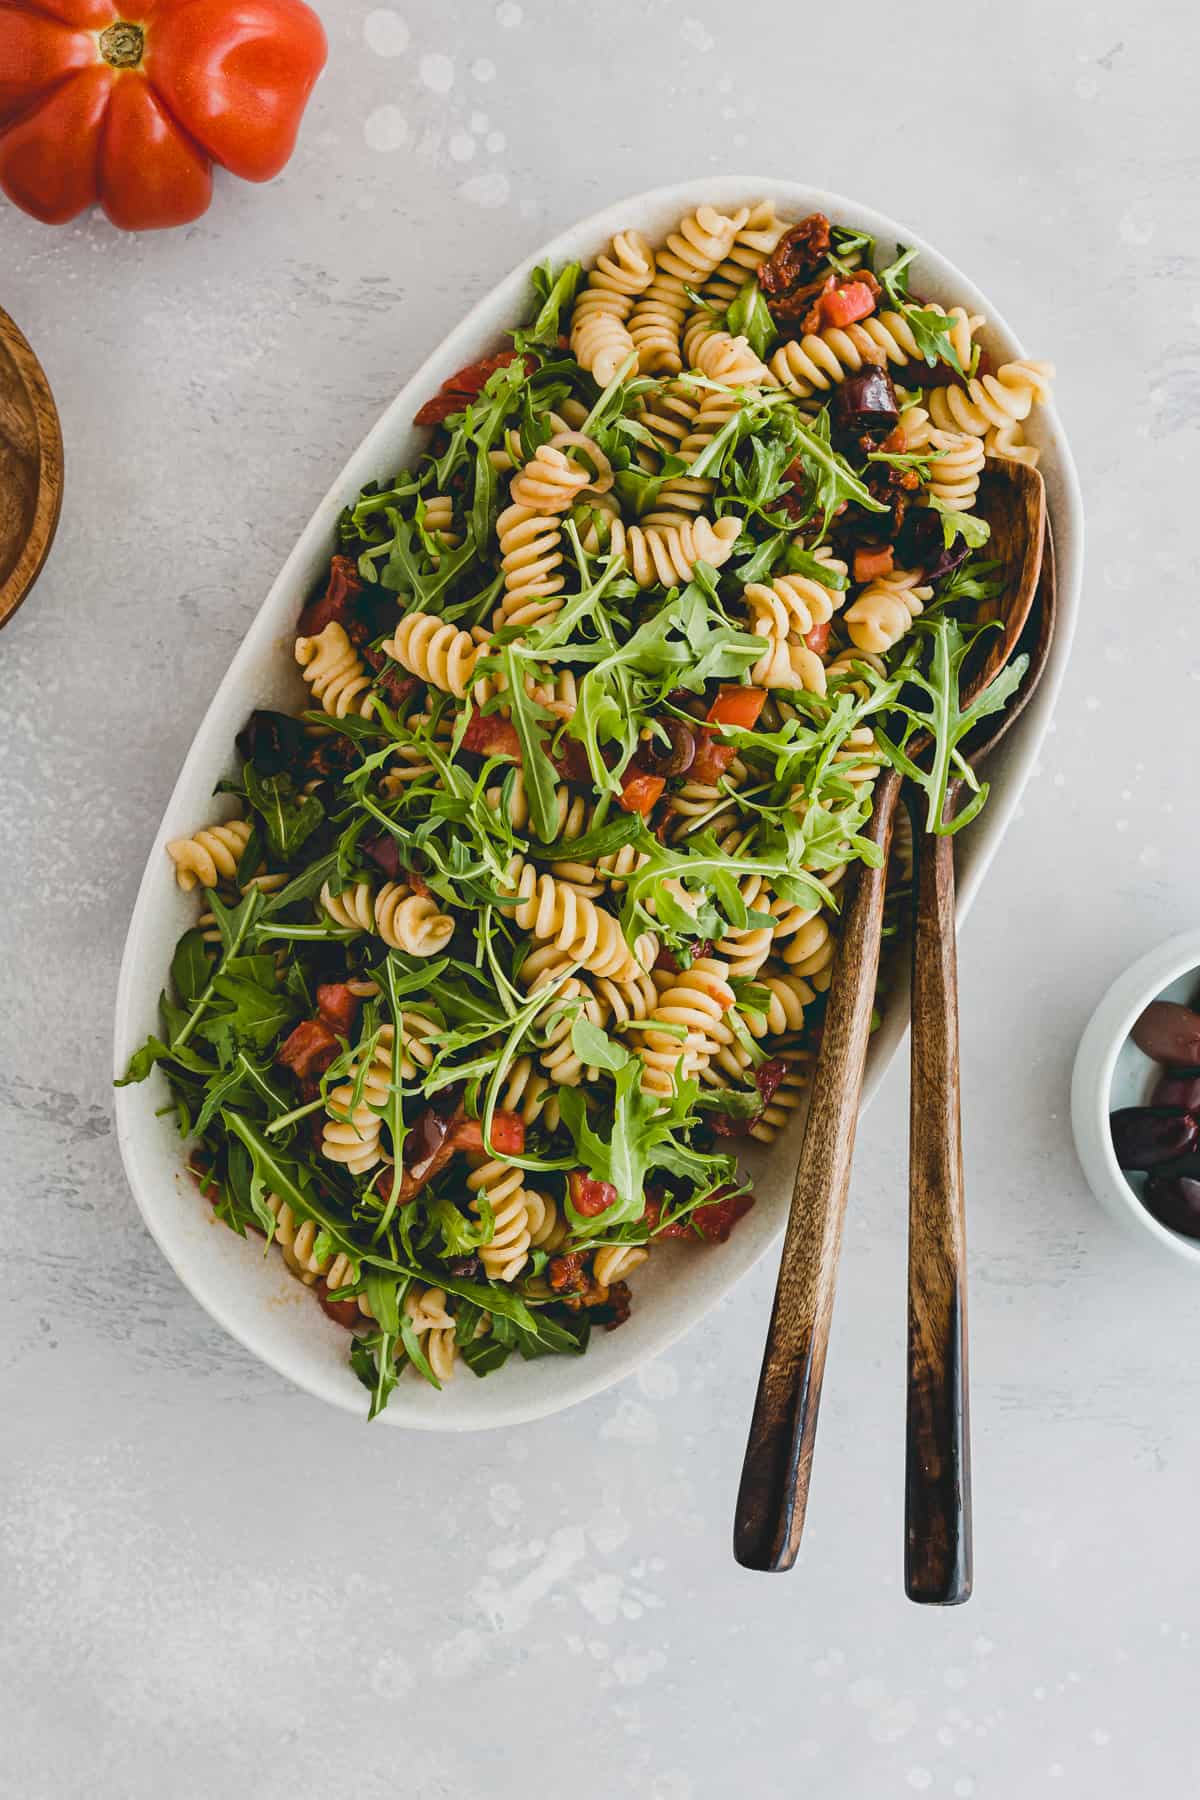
x=712, y=350
x=613, y=1262
x=531, y=557
x=627, y=1001
x=410, y=922
x=553, y=912
x=426, y=1309
x=210, y=856
x=703, y=240
x=551, y=481
x=600, y=340
x=752, y=245
x=885, y=608
x=352, y=1132
x=696, y=1000
x=957, y=465
x=668, y=414
x=337, y=676
x=435, y=652
x=992, y=402
x=668, y=554
x=547, y=1227
x=821, y=360
x=297, y=1240
x=572, y=998
x=789, y=994
x=500, y=1184
x=530, y=1093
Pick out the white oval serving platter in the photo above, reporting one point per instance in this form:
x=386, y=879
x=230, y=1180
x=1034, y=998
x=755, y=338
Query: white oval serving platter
x=253, y=1296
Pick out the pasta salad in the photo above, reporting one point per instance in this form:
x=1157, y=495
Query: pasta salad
x=513, y=935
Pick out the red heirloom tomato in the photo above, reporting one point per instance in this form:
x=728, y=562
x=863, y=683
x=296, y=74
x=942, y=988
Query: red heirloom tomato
x=134, y=112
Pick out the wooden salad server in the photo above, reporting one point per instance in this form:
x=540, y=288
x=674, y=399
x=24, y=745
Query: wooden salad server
x=31, y=467
x=937, y=1481
x=773, y=1494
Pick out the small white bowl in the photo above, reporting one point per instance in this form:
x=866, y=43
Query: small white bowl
x=1111, y=1072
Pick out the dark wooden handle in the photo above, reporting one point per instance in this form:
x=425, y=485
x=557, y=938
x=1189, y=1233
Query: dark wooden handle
x=937, y=1486
x=774, y=1488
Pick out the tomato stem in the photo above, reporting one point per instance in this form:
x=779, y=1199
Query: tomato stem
x=121, y=45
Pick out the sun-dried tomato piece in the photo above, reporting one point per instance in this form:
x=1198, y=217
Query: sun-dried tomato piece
x=716, y=1219
x=652, y=1218
x=454, y=394
x=565, y=1273
x=570, y=761
x=337, y=602
x=308, y=1050
x=337, y=1006
x=797, y=256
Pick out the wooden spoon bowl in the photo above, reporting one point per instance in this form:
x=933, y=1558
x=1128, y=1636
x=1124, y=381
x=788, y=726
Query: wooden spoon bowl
x=31, y=468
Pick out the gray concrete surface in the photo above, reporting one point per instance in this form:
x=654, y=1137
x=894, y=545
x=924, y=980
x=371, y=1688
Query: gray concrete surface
x=209, y=1584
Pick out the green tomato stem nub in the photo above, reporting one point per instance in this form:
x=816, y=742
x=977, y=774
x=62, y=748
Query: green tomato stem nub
x=121, y=45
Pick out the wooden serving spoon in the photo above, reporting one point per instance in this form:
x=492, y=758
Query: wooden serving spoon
x=31, y=468
x=937, y=1480
x=773, y=1494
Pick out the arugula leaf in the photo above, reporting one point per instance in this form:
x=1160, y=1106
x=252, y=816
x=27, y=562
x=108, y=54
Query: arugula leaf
x=946, y=721
x=556, y=293
x=373, y=1359
x=595, y=1048
x=931, y=330
x=749, y=317
x=191, y=967
x=290, y=817
x=973, y=530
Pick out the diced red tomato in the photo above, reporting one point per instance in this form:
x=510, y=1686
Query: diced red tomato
x=818, y=638
x=870, y=563
x=508, y=1134
x=337, y=1007
x=454, y=394
x=639, y=792
x=341, y=591
x=841, y=307
x=738, y=707
x=490, y=735
x=308, y=1050
x=589, y=1197
x=711, y=760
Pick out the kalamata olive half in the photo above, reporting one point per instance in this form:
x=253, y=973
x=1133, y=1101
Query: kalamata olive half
x=1142, y=1139
x=1180, y=1092
x=1169, y=1033
x=672, y=758
x=463, y=1268
x=865, y=402
x=1174, y=1200
x=424, y=1138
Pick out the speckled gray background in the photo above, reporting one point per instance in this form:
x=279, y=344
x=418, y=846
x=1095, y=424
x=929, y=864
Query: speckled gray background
x=208, y=1583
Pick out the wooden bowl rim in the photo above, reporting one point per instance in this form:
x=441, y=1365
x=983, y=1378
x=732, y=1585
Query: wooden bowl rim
x=48, y=500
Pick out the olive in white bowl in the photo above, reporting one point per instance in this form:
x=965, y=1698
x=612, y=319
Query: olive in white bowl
x=1135, y=1098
